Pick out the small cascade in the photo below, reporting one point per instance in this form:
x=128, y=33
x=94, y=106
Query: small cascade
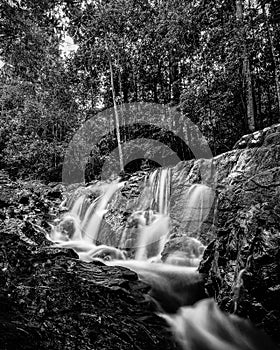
x=152, y=238
x=148, y=224
x=88, y=214
x=78, y=206
x=198, y=201
x=93, y=219
x=83, y=220
x=161, y=191
x=156, y=191
x=147, y=228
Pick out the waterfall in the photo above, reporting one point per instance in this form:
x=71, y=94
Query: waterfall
x=146, y=230
x=88, y=214
x=150, y=220
x=82, y=222
x=152, y=238
x=92, y=222
x=156, y=192
x=197, y=203
x=77, y=208
x=174, y=284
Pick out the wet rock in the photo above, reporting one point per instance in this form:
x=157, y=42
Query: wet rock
x=272, y=139
x=183, y=250
x=88, y=303
x=51, y=300
x=259, y=138
x=242, y=264
x=242, y=228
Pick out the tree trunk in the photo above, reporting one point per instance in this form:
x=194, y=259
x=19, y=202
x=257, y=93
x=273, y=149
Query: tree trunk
x=273, y=57
x=246, y=69
x=116, y=114
x=174, y=81
x=250, y=94
x=259, y=103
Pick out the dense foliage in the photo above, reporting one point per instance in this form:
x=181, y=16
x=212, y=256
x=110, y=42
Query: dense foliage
x=217, y=61
x=38, y=107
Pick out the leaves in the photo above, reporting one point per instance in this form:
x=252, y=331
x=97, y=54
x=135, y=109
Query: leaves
x=188, y=55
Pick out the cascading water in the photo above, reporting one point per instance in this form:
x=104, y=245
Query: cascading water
x=156, y=192
x=85, y=218
x=152, y=238
x=147, y=228
x=150, y=219
x=77, y=207
x=92, y=223
x=172, y=287
x=143, y=240
x=198, y=201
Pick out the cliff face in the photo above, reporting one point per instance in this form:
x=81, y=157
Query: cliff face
x=242, y=263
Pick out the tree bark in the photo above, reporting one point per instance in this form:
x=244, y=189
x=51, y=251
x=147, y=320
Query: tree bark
x=116, y=114
x=273, y=57
x=246, y=69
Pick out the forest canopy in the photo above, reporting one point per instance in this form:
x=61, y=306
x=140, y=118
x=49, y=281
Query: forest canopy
x=216, y=62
